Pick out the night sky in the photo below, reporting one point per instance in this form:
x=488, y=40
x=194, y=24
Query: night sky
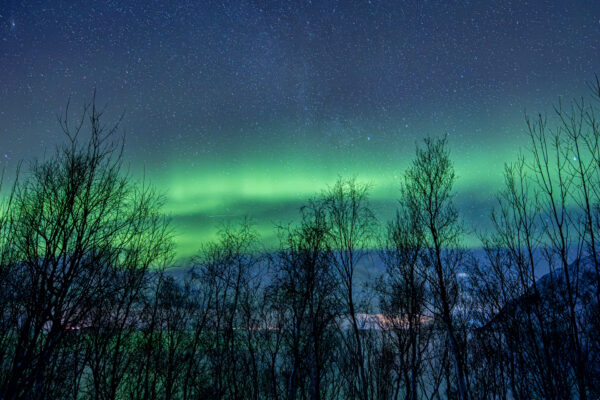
x=248, y=108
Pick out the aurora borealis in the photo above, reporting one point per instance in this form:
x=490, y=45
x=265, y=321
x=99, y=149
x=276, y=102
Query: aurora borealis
x=247, y=108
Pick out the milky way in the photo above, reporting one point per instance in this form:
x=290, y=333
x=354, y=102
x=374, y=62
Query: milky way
x=249, y=108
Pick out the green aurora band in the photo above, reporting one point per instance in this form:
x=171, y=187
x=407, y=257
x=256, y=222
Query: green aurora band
x=245, y=109
x=270, y=186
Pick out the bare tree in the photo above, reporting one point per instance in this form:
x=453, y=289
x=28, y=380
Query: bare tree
x=403, y=301
x=427, y=190
x=8, y=310
x=579, y=133
x=352, y=233
x=524, y=330
x=165, y=350
x=228, y=268
x=305, y=288
x=537, y=331
x=75, y=221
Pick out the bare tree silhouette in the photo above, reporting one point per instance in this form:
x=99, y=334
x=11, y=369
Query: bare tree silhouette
x=79, y=229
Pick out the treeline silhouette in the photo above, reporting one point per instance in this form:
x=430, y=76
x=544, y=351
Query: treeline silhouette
x=89, y=310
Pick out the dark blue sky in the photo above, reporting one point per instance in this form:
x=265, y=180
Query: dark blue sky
x=248, y=107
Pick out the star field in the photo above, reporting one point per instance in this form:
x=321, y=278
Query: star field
x=250, y=107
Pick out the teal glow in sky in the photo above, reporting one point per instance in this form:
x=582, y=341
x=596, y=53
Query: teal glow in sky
x=247, y=109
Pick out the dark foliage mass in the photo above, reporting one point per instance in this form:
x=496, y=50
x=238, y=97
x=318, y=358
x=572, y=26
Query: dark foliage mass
x=88, y=308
